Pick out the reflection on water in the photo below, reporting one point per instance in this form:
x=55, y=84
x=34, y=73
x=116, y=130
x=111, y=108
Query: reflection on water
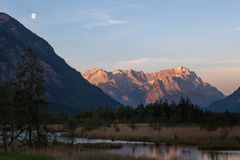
x=175, y=153
x=137, y=149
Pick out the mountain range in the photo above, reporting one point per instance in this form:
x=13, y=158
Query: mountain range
x=134, y=87
x=230, y=103
x=67, y=90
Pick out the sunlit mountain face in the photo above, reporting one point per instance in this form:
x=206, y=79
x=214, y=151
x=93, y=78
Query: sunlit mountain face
x=135, y=87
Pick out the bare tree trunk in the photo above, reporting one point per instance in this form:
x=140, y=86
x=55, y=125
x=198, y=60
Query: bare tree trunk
x=12, y=137
x=4, y=136
x=30, y=136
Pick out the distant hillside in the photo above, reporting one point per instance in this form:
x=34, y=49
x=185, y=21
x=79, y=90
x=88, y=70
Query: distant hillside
x=134, y=87
x=230, y=103
x=67, y=90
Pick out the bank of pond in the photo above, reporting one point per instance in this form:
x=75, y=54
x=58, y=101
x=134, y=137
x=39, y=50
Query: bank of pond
x=142, y=142
x=123, y=151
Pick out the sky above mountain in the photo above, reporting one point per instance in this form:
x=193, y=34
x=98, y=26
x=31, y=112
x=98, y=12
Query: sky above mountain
x=144, y=35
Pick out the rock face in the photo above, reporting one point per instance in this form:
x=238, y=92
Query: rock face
x=230, y=103
x=134, y=87
x=67, y=90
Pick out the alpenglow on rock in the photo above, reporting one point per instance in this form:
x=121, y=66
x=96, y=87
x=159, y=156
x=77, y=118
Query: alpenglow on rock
x=134, y=87
x=67, y=90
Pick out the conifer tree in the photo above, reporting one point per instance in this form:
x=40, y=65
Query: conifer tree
x=30, y=95
x=5, y=109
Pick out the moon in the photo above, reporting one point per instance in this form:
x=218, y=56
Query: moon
x=34, y=16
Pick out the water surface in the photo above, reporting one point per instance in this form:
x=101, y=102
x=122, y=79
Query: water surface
x=148, y=149
x=164, y=152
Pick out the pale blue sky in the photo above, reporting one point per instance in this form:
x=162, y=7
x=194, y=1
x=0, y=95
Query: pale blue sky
x=147, y=35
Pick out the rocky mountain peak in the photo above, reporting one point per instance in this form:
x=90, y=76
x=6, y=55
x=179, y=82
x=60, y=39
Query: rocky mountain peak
x=181, y=70
x=134, y=87
x=4, y=17
x=97, y=75
x=119, y=71
x=97, y=70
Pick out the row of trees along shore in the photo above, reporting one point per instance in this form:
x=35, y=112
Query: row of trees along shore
x=159, y=114
x=156, y=115
x=22, y=105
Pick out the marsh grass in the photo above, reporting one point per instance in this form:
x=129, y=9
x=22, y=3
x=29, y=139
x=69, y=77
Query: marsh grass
x=178, y=135
x=20, y=156
x=66, y=152
x=185, y=135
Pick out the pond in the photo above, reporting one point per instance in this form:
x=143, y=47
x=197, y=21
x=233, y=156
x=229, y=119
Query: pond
x=174, y=153
x=161, y=152
x=149, y=150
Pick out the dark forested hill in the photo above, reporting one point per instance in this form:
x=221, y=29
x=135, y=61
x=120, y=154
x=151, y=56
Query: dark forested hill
x=67, y=90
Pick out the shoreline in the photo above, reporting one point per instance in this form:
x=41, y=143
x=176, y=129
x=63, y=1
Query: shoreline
x=202, y=139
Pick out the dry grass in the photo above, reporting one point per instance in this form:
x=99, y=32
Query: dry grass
x=144, y=130
x=17, y=156
x=189, y=135
x=63, y=152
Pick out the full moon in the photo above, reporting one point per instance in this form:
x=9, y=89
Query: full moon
x=34, y=15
